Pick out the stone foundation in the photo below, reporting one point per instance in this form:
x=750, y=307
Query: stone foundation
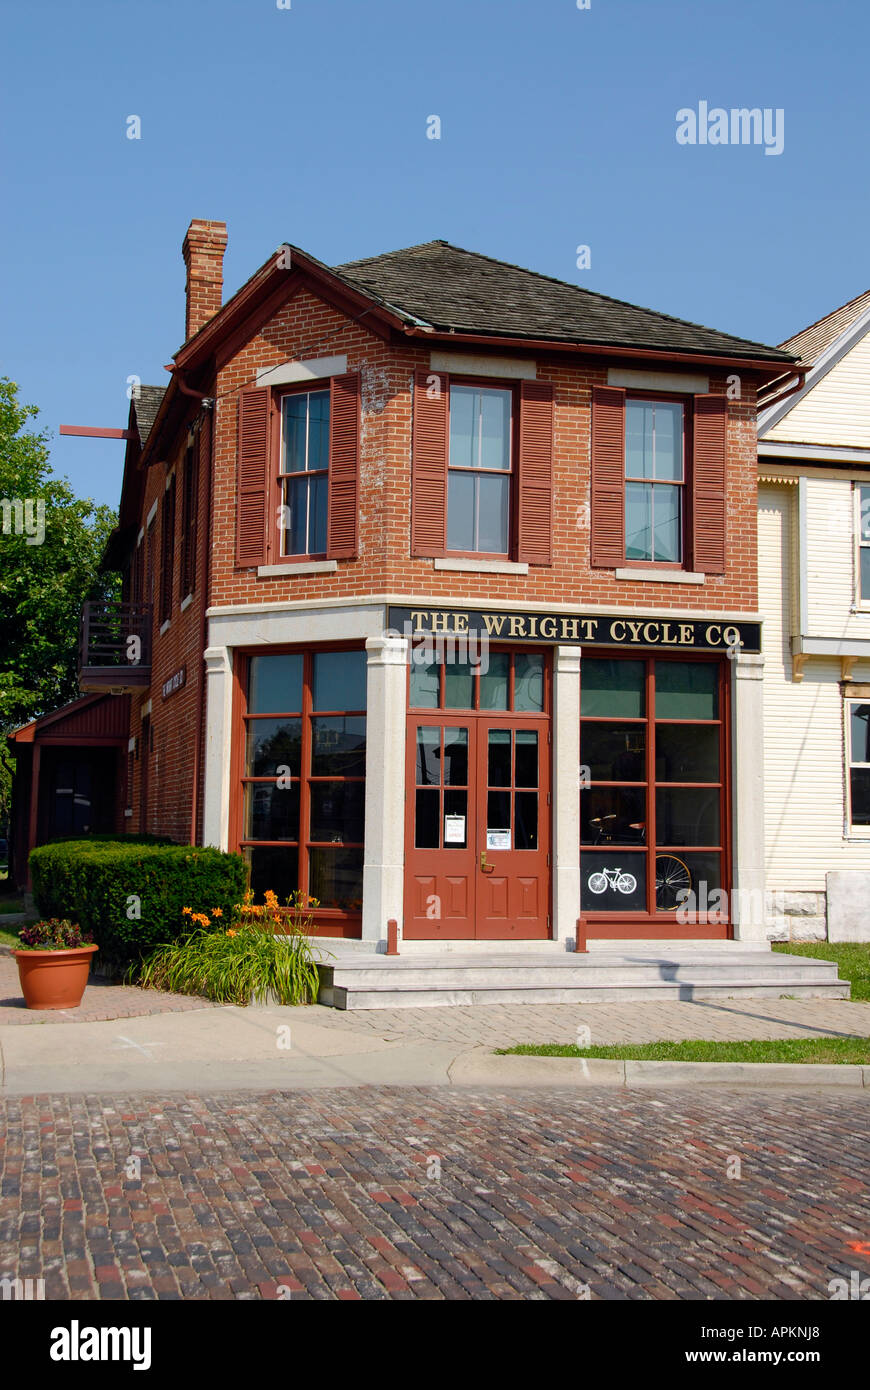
x=797, y=916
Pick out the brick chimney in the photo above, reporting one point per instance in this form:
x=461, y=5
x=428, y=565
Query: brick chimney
x=203, y=251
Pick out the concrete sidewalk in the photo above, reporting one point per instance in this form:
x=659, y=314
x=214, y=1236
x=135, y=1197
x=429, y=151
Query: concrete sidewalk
x=223, y=1048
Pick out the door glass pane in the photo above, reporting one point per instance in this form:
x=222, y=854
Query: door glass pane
x=335, y=878
x=338, y=747
x=274, y=743
x=498, y=810
x=687, y=816
x=701, y=873
x=456, y=757
x=687, y=753
x=273, y=867
x=638, y=521
x=428, y=756
x=526, y=820
x=614, y=752
x=427, y=829
x=526, y=756
x=456, y=806
x=668, y=530
x=493, y=503
x=613, y=815
x=338, y=812
x=860, y=726
x=528, y=683
x=458, y=685
x=340, y=680
x=275, y=683
x=687, y=690
x=460, y=510
x=271, y=812
x=612, y=881
x=612, y=688
x=499, y=758
x=424, y=685
x=494, y=685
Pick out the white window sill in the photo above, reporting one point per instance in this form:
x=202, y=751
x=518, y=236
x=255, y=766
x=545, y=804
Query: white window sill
x=662, y=576
x=186, y=602
x=482, y=566
x=309, y=567
x=164, y=627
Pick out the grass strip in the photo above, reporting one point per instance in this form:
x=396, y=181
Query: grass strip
x=852, y=957
x=838, y=1050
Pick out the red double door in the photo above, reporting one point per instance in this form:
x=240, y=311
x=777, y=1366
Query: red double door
x=477, y=860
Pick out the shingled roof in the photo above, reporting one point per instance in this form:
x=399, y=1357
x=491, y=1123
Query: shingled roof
x=812, y=342
x=452, y=289
x=146, y=404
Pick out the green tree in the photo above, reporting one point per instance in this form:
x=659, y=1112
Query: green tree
x=50, y=547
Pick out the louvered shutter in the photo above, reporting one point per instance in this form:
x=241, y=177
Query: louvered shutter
x=607, y=522
x=344, y=423
x=708, y=484
x=253, y=475
x=429, y=464
x=535, y=510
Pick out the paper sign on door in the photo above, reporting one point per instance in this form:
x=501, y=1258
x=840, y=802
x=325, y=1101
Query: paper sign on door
x=498, y=839
x=454, y=830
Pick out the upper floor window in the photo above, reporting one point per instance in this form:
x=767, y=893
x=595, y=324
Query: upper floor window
x=858, y=741
x=304, y=475
x=167, y=558
x=654, y=481
x=479, y=470
x=864, y=544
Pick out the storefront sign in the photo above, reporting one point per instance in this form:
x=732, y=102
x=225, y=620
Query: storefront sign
x=721, y=635
x=174, y=683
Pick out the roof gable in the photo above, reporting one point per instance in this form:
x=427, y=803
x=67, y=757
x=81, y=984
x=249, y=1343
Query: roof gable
x=832, y=409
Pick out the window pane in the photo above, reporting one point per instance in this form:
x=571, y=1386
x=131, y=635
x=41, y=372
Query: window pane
x=666, y=525
x=294, y=433
x=338, y=747
x=274, y=743
x=687, y=690
x=638, y=439
x=864, y=503
x=613, y=815
x=296, y=516
x=460, y=511
x=668, y=440
x=340, y=680
x=495, y=429
x=318, y=489
x=498, y=810
x=275, y=683
x=424, y=685
x=865, y=571
x=638, y=521
x=528, y=683
x=687, y=816
x=859, y=719
x=499, y=754
x=456, y=757
x=271, y=812
x=338, y=812
x=276, y=868
x=494, y=686
x=702, y=873
x=335, y=878
x=459, y=685
x=427, y=829
x=493, y=501
x=428, y=756
x=612, y=881
x=860, y=795
x=526, y=820
x=526, y=758
x=614, y=752
x=687, y=753
x=463, y=426
x=612, y=688
x=318, y=430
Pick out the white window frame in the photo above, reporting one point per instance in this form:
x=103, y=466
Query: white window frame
x=852, y=831
x=862, y=604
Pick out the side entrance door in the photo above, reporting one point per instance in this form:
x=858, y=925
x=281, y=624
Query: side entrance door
x=477, y=863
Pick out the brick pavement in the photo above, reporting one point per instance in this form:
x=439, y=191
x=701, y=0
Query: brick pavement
x=337, y=1195
x=102, y=1000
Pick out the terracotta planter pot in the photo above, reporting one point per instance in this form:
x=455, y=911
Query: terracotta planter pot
x=54, y=979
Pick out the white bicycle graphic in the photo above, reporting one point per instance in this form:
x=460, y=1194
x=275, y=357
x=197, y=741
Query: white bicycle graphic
x=603, y=879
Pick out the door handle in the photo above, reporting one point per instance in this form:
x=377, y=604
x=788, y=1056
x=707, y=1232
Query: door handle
x=484, y=867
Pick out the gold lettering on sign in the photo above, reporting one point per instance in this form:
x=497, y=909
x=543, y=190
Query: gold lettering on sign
x=460, y=622
x=617, y=636
x=548, y=627
x=418, y=619
x=634, y=629
x=686, y=633
x=569, y=629
x=708, y=635
x=518, y=626
x=439, y=622
x=731, y=637
x=494, y=624
x=667, y=635
x=651, y=632
x=590, y=626
x=533, y=627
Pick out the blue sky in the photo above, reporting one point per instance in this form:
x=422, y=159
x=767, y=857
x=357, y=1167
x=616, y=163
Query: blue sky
x=308, y=125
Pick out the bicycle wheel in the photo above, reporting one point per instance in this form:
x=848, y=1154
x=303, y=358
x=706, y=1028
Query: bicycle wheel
x=597, y=883
x=673, y=882
x=626, y=883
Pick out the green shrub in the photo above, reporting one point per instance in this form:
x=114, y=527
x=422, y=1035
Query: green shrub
x=238, y=966
x=130, y=895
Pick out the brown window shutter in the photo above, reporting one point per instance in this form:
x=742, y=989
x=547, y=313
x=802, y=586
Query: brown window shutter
x=708, y=484
x=344, y=422
x=607, y=522
x=535, y=509
x=253, y=475
x=429, y=465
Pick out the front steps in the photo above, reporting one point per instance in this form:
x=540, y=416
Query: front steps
x=646, y=971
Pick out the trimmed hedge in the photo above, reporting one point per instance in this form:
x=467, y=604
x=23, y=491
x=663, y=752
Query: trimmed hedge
x=97, y=882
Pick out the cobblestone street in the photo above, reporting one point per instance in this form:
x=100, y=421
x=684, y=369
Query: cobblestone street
x=430, y=1194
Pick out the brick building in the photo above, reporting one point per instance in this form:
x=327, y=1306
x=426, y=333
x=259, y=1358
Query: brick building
x=440, y=599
